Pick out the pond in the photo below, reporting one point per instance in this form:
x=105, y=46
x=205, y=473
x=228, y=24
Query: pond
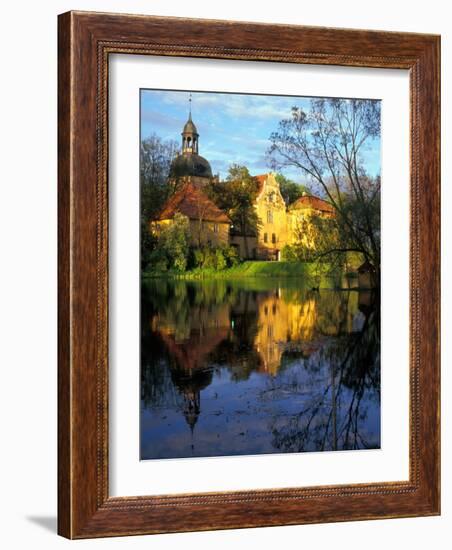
x=257, y=365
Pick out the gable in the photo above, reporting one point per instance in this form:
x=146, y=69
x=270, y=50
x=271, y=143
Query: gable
x=269, y=192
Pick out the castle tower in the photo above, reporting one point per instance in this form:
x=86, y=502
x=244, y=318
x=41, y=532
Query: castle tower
x=190, y=165
x=190, y=136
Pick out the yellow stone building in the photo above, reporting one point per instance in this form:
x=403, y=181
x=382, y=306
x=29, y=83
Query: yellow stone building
x=272, y=212
x=279, y=224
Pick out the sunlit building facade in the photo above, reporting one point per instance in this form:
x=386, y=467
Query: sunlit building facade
x=279, y=223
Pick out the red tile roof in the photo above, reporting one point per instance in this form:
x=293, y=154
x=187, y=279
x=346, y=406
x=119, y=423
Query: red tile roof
x=261, y=178
x=191, y=201
x=309, y=201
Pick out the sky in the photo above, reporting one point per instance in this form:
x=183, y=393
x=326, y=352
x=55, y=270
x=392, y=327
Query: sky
x=233, y=128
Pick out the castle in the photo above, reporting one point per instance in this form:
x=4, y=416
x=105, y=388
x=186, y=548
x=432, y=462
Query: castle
x=209, y=225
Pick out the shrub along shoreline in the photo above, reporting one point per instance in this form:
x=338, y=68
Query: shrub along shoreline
x=316, y=275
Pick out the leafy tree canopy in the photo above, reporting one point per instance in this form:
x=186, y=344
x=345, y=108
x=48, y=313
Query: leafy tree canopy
x=290, y=190
x=156, y=156
x=327, y=143
x=236, y=196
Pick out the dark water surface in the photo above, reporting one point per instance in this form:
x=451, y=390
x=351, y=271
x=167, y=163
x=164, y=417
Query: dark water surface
x=251, y=366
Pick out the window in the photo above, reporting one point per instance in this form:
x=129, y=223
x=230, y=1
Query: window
x=215, y=228
x=273, y=238
x=265, y=238
x=269, y=216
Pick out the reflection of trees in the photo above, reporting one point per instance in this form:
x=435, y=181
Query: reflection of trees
x=342, y=383
x=174, y=374
x=325, y=362
x=238, y=352
x=182, y=325
x=157, y=386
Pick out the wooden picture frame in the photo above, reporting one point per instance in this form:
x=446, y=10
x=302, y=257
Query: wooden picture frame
x=85, y=42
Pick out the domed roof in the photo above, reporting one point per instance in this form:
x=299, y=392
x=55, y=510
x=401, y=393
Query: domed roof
x=189, y=127
x=190, y=164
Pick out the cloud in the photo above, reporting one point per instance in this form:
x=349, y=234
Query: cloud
x=236, y=105
x=234, y=128
x=159, y=119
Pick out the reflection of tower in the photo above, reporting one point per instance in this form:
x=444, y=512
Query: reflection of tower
x=189, y=355
x=190, y=383
x=192, y=407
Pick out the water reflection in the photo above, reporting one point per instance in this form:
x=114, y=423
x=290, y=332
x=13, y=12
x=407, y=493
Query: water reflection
x=257, y=366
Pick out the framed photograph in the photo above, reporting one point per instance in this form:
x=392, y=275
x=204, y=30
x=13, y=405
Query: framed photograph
x=248, y=275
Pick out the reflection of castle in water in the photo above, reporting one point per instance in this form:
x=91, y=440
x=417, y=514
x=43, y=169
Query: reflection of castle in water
x=189, y=345
x=250, y=332
x=290, y=322
x=190, y=384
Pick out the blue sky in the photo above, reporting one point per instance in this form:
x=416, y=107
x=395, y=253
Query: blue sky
x=233, y=128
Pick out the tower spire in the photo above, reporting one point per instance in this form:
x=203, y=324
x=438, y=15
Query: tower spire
x=190, y=133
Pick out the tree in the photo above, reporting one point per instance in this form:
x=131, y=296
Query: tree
x=236, y=196
x=327, y=143
x=173, y=242
x=202, y=207
x=155, y=162
x=156, y=156
x=290, y=190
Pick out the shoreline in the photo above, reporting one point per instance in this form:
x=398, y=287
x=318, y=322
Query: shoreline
x=317, y=277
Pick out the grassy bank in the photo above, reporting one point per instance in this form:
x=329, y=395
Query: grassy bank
x=312, y=273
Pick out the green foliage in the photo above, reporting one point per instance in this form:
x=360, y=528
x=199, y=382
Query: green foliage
x=155, y=162
x=316, y=237
x=158, y=261
x=290, y=190
x=231, y=256
x=148, y=242
x=156, y=156
x=288, y=254
x=172, y=247
x=218, y=259
x=236, y=197
x=328, y=143
x=238, y=172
